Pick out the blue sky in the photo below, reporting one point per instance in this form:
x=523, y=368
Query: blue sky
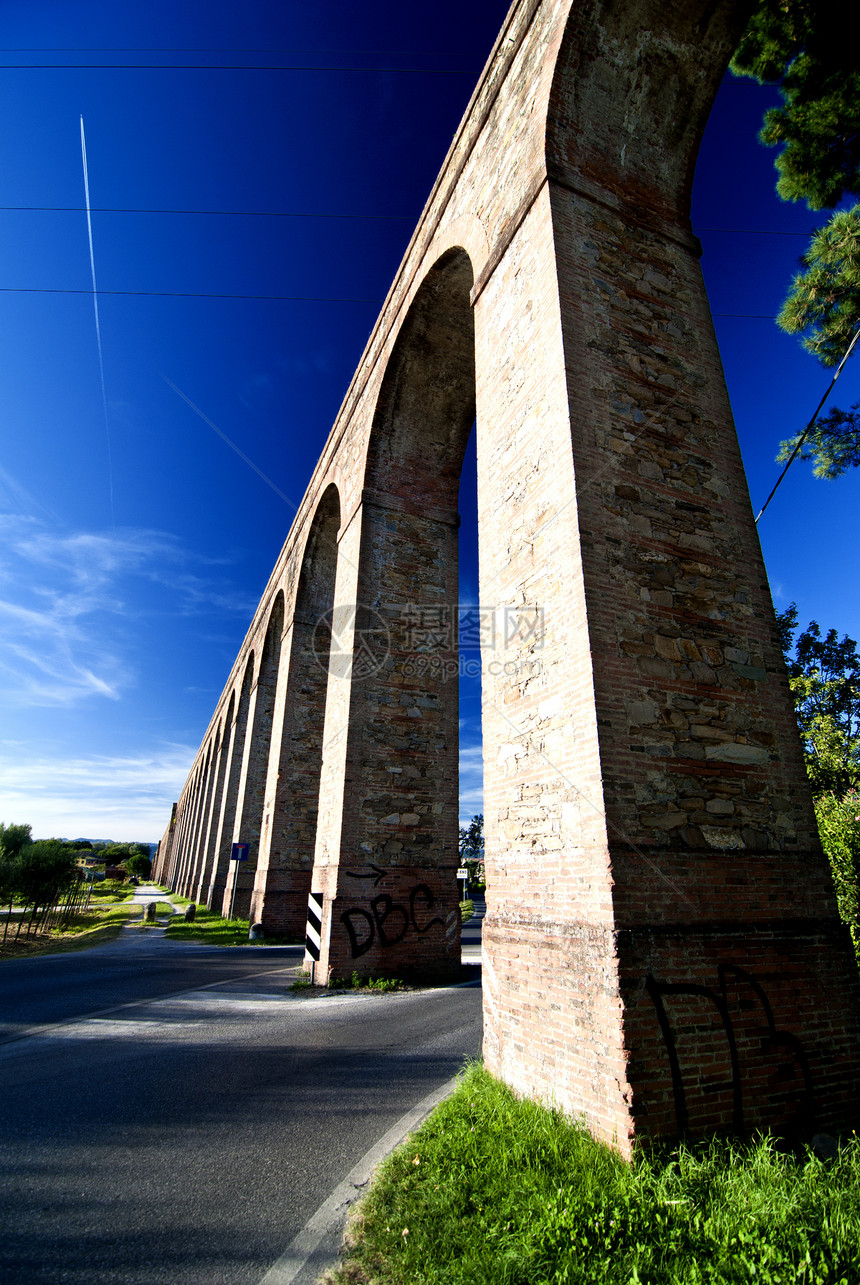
x=136, y=542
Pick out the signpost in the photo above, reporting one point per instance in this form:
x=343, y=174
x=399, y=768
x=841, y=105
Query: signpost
x=239, y=852
x=463, y=874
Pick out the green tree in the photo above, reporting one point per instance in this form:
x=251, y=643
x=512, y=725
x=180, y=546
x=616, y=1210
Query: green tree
x=804, y=48
x=823, y=304
x=824, y=675
x=138, y=865
x=45, y=868
x=13, y=838
x=116, y=853
x=472, y=852
x=472, y=839
x=833, y=443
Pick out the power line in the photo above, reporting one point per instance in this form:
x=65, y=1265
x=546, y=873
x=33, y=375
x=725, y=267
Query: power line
x=808, y=429
x=756, y=231
x=186, y=294
x=170, y=66
x=161, y=49
x=285, y=298
x=220, y=49
x=255, y=214
x=301, y=214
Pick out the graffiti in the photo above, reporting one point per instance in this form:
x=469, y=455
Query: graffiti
x=376, y=875
x=756, y=1050
x=388, y=921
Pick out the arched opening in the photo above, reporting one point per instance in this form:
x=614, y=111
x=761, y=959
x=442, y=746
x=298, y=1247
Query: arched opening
x=292, y=803
x=189, y=832
x=210, y=819
x=241, y=874
x=198, y=825
x=234, y=742
x=400, y=810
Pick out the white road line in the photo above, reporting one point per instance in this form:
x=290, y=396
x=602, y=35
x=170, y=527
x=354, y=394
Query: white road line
x=330, y=1218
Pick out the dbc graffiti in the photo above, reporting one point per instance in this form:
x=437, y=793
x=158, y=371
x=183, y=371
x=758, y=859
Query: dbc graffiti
x=388, y=921
x=755, y=1051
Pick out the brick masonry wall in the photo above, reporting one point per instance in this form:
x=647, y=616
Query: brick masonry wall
x=661, y=944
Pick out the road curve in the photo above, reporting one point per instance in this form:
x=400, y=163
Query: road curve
x=187, y=1138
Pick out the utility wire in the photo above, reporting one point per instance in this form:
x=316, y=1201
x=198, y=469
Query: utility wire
x=283, y=298
x=171, y=66
x=808, y=428
x=756, y=231
x=160, y=49
x=294, y=214
x=256, y=214
x=186, y=294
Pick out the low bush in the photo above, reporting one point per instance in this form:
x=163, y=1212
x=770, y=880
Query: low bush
x=357, y=982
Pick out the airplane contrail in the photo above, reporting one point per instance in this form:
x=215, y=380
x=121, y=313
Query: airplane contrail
x=98, y=326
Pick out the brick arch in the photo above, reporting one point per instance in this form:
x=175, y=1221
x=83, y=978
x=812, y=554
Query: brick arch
x=648, y=820
x=426, y=404
x=233, y=746
x=288, y=838
x=632, y=89
x=188, y=877
x=255, y=762
x=394, y=730
x=213, y=810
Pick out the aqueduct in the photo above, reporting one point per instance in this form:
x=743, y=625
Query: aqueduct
x=662, y=950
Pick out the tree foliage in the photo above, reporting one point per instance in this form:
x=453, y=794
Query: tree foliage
x=45, y=869
x=824, y=675
x=472, y=839
x=823, y=304
x=13, y=838
x=34, y=873
x=138, y=865
x=805, y=48
x=833, y=443
x=115, y=853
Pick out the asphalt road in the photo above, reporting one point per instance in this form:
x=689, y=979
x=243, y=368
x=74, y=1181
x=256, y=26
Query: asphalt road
x=187, y=1136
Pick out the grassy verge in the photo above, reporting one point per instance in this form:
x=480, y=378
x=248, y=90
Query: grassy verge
x=162, y=909
x=212, y=930
x=111, y=890
x=494, y=1191
x=98, y=925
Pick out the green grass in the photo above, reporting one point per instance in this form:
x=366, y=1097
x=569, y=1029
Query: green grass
x=162, y=908
x=212, y=930
x=358, y=983
x=113, y=889
x=208, y=928
x=96, y=926
x=495, y=1191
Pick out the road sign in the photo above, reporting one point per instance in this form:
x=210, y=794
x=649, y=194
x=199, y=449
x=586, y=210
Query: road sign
x=239, y=851
x=462, y=873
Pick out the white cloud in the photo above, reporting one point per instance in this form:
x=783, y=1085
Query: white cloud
x=97, y=796
x=71, y=606
x=471, y=781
